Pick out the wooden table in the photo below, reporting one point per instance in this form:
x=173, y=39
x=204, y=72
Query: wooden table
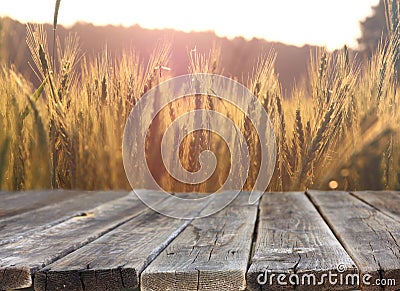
x=70, y=240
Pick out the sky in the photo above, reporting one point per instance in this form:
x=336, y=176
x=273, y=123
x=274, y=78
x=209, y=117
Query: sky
x=330, y=23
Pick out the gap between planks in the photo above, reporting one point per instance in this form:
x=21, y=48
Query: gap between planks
x=115, y=260
x=212, y=253
x=293, y=241
x=370, y=237
x=21, y=258
x=41, y=216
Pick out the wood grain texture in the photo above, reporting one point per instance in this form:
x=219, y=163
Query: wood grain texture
x=210, y=254
x=370, y=237
x=64, y=205
x=14, y=203
x=387, y=202
x=293, y=240
x=115, y=260
x=23, y=257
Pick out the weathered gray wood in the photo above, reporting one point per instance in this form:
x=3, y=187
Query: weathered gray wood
x=64, y=205
x=370, y=237
x=115, y=260
x=210, y=254
x=293, y=240
x=388, y=202
x=21, y=258
x=14, y=203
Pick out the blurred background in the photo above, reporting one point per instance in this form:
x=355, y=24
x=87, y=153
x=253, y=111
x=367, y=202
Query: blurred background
x=242, y=30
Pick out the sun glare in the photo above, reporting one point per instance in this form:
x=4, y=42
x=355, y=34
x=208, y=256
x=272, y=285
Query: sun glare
x=327, y=23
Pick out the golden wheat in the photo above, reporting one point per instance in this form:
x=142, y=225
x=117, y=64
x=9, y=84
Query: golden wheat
x=341, y=123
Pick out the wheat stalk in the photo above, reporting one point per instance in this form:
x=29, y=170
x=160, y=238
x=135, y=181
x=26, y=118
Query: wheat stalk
x=55, y=20
x=3, y=154
x=344, y=110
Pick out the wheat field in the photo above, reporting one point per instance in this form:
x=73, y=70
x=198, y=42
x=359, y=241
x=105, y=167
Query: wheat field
x=339, y=129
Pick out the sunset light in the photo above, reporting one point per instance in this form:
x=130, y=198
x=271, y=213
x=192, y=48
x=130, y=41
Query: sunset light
x=212, y=145
x=327, y=23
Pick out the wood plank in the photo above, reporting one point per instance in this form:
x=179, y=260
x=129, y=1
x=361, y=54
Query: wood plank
x=18, y=226
x=370, y=237
x=14, y=203
x=293, y=240
x=20, y=259
x=210, y=254
x=115, y=260
x=387, y=202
